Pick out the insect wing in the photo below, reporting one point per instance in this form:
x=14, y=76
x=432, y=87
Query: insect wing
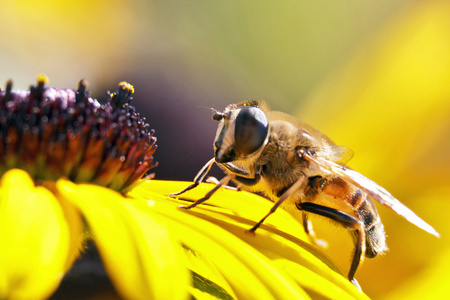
x=374, y=190
x=341, y=154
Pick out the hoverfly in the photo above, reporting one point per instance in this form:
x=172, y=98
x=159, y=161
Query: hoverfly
x=295, y=164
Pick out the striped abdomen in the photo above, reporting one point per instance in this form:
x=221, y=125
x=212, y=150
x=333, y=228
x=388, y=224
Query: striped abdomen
x=366, y=211
x=362, y=206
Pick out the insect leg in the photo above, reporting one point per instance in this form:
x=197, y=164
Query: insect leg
x=243, y=176
x=198, y=178
x=236, y=171
x=307, y=225
x=248, y=181
x=289, y=192
x=214, y=180
x=345, y=220
x=208, y=195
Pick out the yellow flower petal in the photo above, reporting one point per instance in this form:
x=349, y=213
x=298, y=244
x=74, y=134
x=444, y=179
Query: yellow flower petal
x=206, y=277
x=217, y=230
x=248, y=272
x=137, y=250
x=76, y=225
x=225, y=201
x=34, y=238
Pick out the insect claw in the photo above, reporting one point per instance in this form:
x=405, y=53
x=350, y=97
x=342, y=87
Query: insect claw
x=251, y=231
x=190, y=206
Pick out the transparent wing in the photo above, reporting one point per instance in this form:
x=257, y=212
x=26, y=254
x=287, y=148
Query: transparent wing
x=373, y=189
x=341, y=154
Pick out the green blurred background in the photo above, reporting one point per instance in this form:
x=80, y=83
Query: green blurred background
x=373, y=75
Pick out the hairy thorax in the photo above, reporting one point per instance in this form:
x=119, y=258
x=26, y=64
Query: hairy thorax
x=279, y=161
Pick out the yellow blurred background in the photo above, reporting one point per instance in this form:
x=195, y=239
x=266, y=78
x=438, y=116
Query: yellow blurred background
x=373, y=75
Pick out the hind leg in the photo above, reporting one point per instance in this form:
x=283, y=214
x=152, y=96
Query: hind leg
x=347, y=221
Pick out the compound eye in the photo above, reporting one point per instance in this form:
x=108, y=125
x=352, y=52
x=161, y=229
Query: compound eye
x=251, y=129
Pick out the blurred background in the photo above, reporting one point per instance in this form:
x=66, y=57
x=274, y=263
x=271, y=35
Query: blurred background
x=373, y=75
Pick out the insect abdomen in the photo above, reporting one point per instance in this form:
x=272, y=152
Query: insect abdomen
x=366, y=211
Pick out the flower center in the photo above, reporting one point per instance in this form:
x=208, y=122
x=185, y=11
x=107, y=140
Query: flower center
x=53, y=133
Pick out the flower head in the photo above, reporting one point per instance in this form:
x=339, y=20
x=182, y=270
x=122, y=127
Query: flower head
x=51, y=140
x=53, y=133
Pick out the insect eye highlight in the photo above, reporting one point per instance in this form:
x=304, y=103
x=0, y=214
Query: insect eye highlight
x=250, y=130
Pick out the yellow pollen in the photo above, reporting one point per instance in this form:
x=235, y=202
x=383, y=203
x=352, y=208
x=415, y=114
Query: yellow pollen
x=126, y=86
x=42, y=78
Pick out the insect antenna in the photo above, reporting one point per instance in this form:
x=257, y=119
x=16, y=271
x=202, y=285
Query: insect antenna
x=217, y=115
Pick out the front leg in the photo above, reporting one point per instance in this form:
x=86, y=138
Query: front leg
x=236, y=174
x=242, y=176
x=224, y=181
x=214, y=180
x=198, y=178
x=208, y=195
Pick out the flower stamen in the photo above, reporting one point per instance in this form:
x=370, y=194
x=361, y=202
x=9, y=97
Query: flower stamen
x=53, y=133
